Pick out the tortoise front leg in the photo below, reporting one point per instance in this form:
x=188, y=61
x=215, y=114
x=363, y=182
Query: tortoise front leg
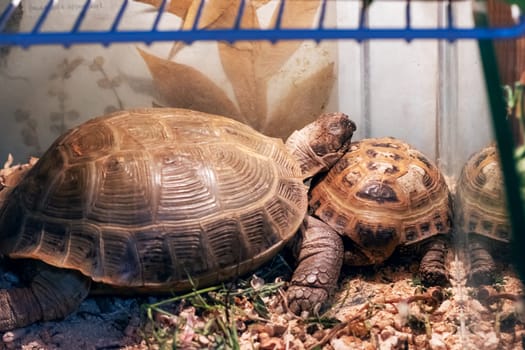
x=432, y=269
x=52, y=294
x=319, y=264
x=482, y=265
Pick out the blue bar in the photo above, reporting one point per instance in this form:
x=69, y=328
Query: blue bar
x=6, y=14
x=320, y=24
x=408, y=14
x=162, y=8
x=198, y=16
x=117, y=20
x=279, y=19
x=81, y=16
x=42, y=17
x=240, y=13
x=450, y=15
x=188, y=36
x=362, y=15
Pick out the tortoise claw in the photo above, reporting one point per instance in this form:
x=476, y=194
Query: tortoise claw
x=306, y=299
x=320, y=260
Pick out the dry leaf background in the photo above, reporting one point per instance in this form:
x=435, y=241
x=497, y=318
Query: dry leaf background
x=275, y=88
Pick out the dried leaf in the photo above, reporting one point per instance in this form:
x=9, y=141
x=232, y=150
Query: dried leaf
x=182, y=86
x=270, y=58
x=259, y=3
x=178, y=7
x=250, y=65
x=239, y=62
x=215, y=14
x=297, y=13
x=305, y=102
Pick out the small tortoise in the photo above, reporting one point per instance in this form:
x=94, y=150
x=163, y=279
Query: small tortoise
x=481, y=212
x=381, y=195
x=148, y=199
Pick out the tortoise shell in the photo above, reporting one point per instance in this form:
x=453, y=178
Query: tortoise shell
x=480, y=199
x=382, y=194
x=152, y=197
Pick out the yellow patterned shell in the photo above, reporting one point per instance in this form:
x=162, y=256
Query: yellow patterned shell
x=382, y=194
x=149, y=197
x=480, y=199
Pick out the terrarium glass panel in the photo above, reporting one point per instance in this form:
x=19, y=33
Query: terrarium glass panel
x=397, y=240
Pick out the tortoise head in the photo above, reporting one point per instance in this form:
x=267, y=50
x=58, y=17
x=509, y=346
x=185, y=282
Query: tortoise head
x=320, y=144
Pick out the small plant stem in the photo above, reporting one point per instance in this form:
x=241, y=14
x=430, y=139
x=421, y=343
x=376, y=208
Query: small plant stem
x=194, y=293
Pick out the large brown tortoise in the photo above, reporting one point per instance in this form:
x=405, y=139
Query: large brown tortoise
x=381, y=195
x=481, y=213
x=156, y=199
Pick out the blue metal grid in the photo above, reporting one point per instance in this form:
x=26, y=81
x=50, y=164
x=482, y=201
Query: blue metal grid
x=319, y=32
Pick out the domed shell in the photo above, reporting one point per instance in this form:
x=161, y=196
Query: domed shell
x=480, y=198
x=152, y=197
x=383, y=193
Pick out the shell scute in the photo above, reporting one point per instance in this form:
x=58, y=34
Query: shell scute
x=154, y=258
x=120, y=261
x=91, y=142
x=378, y=191
x=84, y=248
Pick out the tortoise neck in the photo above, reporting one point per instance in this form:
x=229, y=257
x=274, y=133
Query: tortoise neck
x=320, y=144
x=311, y=164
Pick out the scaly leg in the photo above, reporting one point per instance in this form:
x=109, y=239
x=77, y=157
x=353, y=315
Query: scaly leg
x=319, y=265
x=53, y=294
x=482, y=265
x=432, y=268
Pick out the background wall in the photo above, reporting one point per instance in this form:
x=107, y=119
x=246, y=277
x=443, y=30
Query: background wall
x=429, y=93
